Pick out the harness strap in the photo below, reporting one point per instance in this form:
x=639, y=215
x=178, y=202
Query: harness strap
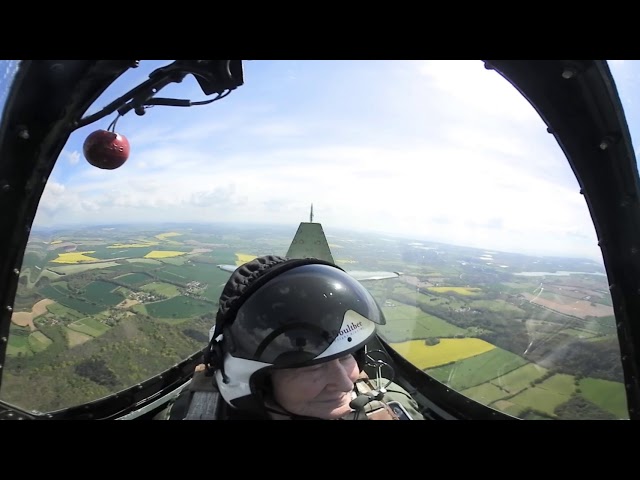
x=375, y=409
x=363, y=384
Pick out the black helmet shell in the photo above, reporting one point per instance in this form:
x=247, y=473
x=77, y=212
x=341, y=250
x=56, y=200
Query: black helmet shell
x=295, y=317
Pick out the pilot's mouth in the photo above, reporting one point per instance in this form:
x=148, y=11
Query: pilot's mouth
x=333, y=400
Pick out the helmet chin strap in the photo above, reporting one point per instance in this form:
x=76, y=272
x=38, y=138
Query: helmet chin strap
x=214, y=359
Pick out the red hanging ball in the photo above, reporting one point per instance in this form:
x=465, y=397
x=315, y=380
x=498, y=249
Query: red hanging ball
x=106, y=150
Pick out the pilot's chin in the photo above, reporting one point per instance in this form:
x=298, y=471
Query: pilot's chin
x=339, y=412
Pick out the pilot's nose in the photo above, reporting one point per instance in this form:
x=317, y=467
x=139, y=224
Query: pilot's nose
x=340, y=377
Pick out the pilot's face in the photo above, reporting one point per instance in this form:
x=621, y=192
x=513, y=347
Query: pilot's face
x=321, y=391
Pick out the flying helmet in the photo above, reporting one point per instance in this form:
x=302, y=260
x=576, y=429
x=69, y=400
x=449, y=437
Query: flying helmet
x=277, y=312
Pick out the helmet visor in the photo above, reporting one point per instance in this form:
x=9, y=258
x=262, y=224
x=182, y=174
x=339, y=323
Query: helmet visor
x=302, y=316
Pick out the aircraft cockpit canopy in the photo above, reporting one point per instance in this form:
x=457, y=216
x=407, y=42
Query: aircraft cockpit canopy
x=489, y=206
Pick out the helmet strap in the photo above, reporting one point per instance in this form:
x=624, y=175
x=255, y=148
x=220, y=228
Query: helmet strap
x=214, y=359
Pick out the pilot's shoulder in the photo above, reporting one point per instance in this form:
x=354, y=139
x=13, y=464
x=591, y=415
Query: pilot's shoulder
x=395, y=392
x=198, y=400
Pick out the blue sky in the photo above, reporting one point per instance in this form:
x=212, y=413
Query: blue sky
x=435, y=150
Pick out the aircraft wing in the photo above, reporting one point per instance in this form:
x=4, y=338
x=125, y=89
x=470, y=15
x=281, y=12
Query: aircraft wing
x=362, y=275
x=228, y=268
x=357, y=274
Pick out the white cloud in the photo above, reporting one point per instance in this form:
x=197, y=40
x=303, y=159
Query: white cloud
x=471, y=87
x=462, y=157
x=72, y=157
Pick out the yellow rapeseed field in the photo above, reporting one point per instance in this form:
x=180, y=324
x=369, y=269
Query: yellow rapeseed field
x=75, y=257
x=448, y=350
x=163, y=254
x=460, y=290
x=243, y=258
x=162, y=236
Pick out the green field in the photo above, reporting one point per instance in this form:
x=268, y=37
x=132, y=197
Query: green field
x=171, y=277
x=497, y=306
x=165, y=289
x=121, y=267
x=605, y=299
x=204, y=258
x=101, y=292
x=140, y=309
x=486, y=393
x=149, y=261
x=101, y=316
x=134, y=279
x=429, y=299
x=609, y=396
x=520, y=378
x=600, y=326
x=51, y=275
x=204, y=273
x=560, y=383
x=122, y=291
x=506, y=386
x=32, y=258
x=74, y=338
x=89, y=326
x=71, y=269
x=579, y=333
x=18, y=341
x=546, y=396
x=15, y=349
x=213, y=292
x=179, y=307
x=477, y=370
x=64, y=312
x=39, y=342
x=60, y=296
x=33, y=274
x=173, y=260
x=515, y=288
x=406, y=322
x=63, y=286
x=223, y=255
